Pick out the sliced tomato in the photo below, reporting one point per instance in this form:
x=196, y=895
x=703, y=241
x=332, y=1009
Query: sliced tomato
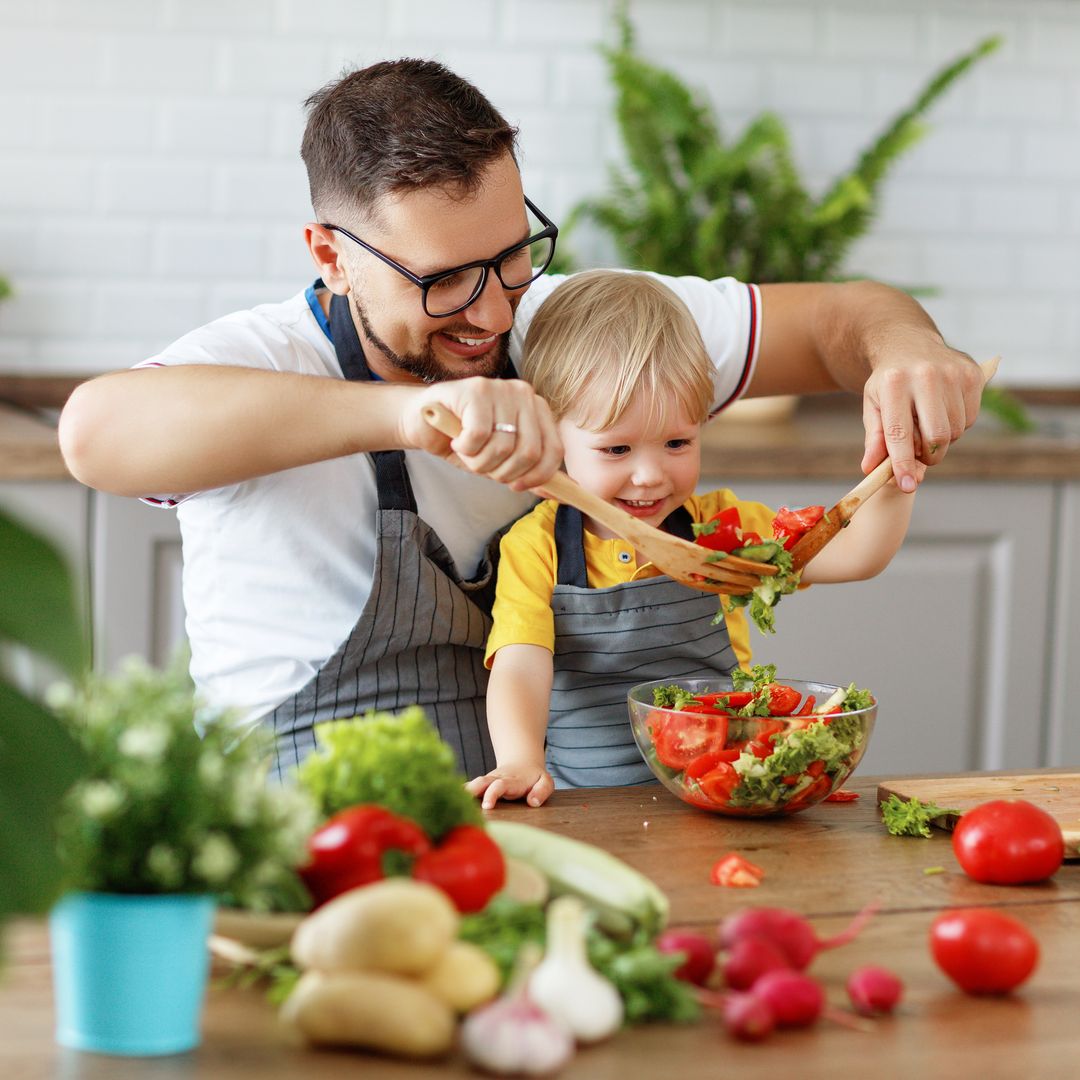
x=707, y=762
x=789, y=525
x=760, y=749
x=719, y=782
x=807, y=707
x=750, y=538
x=680, y=738
x=733, y=871
x=813, y=793
x=842, y=795
x=783, y=700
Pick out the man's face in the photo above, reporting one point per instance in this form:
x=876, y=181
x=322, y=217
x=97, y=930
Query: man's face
x=427, y=231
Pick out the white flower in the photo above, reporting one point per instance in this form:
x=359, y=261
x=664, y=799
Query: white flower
x=217, y=859
x=60, y=696
x=146, y=742
x=165, y=865
x=101, y=799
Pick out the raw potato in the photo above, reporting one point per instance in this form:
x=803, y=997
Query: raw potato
x=397, y=925
x=464, y=978
x=371, y=1010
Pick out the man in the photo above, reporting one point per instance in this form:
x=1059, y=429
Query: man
x=334, y=561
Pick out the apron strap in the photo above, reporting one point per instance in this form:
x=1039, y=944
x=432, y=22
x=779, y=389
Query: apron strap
x=391, y=475
x=570, y=541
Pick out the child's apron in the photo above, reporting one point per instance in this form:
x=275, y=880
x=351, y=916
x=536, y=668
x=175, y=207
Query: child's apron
x=609, y=640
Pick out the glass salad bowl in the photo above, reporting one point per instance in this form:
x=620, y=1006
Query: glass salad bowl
x=699, y=747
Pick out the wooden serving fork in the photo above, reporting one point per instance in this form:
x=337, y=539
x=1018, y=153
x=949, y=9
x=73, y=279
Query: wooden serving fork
x=678, y=558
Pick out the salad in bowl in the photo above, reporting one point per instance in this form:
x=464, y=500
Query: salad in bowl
x=749, y=744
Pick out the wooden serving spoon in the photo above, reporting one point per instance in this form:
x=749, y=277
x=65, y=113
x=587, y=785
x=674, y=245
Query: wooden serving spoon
x=678, y=558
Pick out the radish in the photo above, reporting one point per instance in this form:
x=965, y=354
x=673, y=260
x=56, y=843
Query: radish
x=788, y=931
x=794, y=999
x=874, y=990
x=747, y=1017
x=699, y=950
x=750, y=958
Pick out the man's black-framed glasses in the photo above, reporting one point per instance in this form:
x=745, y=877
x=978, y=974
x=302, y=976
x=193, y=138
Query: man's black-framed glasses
x=450, y=291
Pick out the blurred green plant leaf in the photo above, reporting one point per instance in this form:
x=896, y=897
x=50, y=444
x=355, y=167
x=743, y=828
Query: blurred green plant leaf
x=37, y=607
x=39, y=758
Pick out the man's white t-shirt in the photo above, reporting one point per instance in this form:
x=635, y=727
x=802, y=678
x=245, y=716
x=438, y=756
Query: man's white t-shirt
x=277, y=569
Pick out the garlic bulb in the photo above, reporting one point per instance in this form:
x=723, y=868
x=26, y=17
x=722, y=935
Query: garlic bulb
x=513, y=1036
x=566, y=986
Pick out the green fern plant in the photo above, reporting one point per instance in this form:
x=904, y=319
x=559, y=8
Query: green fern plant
x=687, y=202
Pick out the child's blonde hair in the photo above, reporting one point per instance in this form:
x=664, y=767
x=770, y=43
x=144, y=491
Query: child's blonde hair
x=602, y=336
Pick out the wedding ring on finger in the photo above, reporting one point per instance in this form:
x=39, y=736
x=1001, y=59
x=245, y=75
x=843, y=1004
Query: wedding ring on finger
x=510, y=429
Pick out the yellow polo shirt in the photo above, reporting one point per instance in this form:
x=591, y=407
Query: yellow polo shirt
x=522, y=613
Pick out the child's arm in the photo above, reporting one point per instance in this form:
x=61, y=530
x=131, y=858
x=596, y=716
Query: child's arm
x=518, y=697
x=869, y=541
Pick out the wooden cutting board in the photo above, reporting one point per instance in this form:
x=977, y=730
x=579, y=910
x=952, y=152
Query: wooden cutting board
x=1056, y=793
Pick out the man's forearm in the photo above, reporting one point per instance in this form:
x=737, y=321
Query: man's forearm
x=822, y=337
x=190, y=428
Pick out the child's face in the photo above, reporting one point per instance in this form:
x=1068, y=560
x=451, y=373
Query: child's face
x=646, y=469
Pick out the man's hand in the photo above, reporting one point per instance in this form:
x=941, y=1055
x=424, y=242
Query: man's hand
x=916, y=403
x=507, y=431
x=532, y=782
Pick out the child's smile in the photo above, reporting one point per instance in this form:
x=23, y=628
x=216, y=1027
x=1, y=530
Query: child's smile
x=646, y=463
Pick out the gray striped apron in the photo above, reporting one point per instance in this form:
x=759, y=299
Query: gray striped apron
x=420, y=637
x=607, y=641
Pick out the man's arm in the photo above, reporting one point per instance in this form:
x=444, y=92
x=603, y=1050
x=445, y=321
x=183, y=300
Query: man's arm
x=190, y=428
x=919, y=395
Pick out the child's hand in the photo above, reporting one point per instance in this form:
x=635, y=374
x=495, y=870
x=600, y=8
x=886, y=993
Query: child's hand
x=532, y=782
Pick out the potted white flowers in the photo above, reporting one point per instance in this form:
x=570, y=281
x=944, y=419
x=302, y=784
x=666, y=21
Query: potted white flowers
x=173, y=813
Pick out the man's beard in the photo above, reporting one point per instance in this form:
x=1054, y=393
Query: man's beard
x=425, y=365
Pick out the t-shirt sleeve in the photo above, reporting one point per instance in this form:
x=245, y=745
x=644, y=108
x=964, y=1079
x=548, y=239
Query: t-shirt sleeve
x=522, y=612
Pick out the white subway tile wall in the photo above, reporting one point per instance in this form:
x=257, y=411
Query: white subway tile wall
x=150, y=177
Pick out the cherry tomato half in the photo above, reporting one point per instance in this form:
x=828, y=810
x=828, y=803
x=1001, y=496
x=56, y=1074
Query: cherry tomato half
x=983, y=951
x=1008, y=842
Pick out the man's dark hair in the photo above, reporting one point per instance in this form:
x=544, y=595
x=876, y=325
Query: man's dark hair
x=394, y=126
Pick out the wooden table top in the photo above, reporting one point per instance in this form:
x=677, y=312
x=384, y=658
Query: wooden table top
x=826, y=862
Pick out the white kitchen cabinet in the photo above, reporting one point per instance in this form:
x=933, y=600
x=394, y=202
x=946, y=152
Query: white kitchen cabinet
x=951, y=638
x=1063, y=735
x=136, y=581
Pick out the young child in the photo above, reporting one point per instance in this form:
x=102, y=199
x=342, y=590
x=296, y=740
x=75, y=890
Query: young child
x=578, y=619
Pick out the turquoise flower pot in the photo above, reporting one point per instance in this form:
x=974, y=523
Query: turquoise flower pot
x=130, y=972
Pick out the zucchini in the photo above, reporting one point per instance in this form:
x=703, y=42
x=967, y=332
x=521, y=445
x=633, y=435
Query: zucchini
x=624, y=899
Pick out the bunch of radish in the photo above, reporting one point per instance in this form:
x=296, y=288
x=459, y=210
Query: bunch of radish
x=766, y=952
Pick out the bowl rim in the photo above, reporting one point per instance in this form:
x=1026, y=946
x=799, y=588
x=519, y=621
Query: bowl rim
x=652, y=683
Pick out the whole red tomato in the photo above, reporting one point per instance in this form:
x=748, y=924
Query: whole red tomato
x=1008, y=842
x=468, y=866
x=983, y=951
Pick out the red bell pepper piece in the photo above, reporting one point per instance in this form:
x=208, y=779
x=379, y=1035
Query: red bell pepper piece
x=352, y=848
